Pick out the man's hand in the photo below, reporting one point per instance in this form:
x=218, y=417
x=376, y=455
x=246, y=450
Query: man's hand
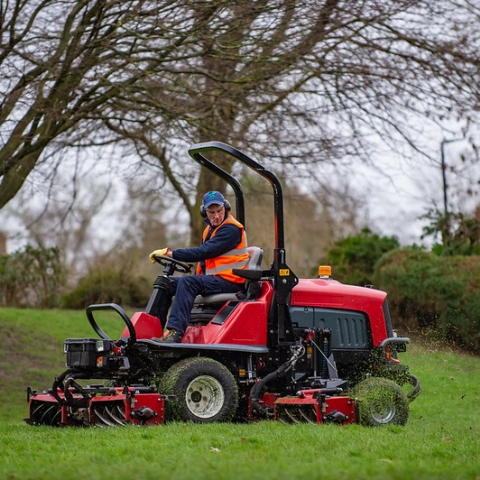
x=163, y=252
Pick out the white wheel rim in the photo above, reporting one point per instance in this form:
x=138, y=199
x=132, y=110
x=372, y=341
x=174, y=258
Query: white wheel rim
x=383, y=414
x=205, y=396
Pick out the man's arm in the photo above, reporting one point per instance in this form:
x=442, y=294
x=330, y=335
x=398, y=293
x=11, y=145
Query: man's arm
x=226, y=239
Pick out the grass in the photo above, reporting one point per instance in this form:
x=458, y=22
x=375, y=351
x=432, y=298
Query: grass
x=440, y=441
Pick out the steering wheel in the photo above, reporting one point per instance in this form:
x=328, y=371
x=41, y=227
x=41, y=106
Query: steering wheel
x=172, y=264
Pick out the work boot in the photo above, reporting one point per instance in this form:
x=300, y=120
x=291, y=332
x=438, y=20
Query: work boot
x=172, y=336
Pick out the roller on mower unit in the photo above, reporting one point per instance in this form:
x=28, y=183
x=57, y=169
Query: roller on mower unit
x=288, y=349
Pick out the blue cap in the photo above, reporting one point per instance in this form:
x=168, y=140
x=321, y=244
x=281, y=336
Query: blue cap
x=213, y=198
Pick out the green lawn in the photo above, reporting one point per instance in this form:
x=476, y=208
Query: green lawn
x=440, y=441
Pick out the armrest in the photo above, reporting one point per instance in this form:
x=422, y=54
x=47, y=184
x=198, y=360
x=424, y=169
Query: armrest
x=251, y=274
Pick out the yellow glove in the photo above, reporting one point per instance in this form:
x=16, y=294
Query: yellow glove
x=162, y=251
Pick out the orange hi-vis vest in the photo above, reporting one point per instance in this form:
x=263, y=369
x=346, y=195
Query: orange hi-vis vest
x=236, y=258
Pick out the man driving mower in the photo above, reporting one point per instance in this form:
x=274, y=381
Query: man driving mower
x=223, y=248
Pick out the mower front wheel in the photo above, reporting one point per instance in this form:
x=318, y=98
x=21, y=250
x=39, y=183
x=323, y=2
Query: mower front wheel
x=204, y=390
x=381, y=402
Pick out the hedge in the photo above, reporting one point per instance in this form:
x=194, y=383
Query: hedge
x=439, y=296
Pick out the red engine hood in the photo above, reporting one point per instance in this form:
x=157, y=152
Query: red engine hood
x=332, y=294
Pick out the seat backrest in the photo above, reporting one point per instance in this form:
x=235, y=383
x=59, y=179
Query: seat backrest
x=256, y=257
x=254, y=263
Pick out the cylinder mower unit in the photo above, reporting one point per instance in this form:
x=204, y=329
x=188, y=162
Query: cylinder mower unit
x=68, y=403
x=286, y=349
x=97, y=405
x=317, y=406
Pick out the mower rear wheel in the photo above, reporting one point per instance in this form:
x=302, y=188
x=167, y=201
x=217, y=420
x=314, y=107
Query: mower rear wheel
x=205, y=391
x=381, y=402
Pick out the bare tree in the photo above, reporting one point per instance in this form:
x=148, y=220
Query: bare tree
x=63, y=65
x=299, y=83
x=295, y=82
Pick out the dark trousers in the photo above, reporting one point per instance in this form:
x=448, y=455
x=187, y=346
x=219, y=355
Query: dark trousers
x=185, y=289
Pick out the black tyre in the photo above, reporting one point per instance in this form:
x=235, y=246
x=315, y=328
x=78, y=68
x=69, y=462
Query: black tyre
x=381, y=402
x=205, y=391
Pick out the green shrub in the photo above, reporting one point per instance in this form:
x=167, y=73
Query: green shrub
x=32, y=278
x=109, y=285
x=353, y=258
x=460, y=232
x=434, y=295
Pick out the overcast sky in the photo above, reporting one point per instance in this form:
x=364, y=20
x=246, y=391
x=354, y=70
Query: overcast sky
x=404, y=192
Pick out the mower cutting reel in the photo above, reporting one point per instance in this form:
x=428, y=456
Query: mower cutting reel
x=316, y=407
x=99, y=406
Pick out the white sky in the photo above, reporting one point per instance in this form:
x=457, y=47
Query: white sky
x=396, y=203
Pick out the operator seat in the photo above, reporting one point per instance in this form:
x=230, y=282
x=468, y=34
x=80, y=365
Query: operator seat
x=254, y=263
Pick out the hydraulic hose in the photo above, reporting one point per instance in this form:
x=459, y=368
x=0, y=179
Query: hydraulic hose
x=70, y=375
x=260, y=387
x=415, y=382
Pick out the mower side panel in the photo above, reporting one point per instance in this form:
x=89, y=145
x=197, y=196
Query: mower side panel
x=246, y=324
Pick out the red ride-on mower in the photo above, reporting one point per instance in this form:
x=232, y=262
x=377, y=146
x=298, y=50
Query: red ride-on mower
x=295, y=350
